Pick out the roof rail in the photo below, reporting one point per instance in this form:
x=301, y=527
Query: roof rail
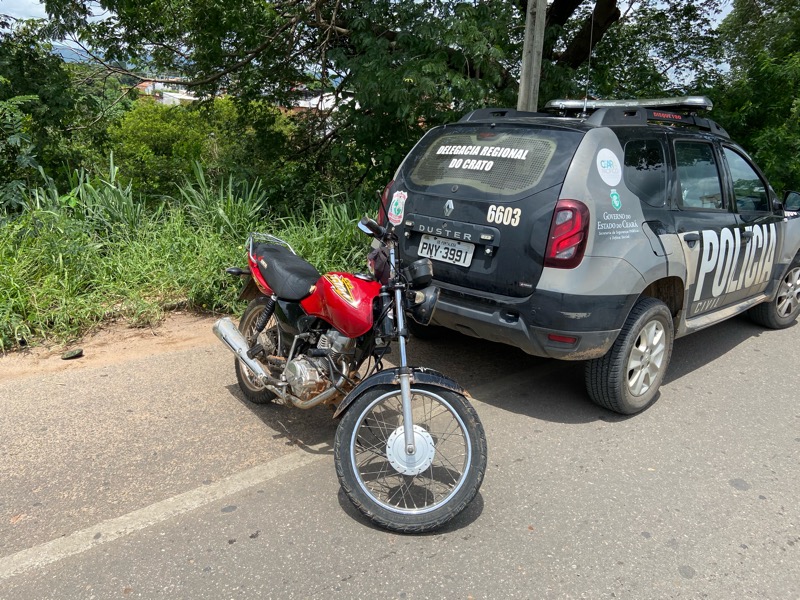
x=606, y=113
x=676, y=103
x=640, y=111
x=607, y=117
x=486, y=114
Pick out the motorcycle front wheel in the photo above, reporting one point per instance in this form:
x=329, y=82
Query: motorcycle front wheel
x=410, y=493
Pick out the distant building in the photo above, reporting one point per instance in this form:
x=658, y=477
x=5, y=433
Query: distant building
x=145, y=87
x=166, y=93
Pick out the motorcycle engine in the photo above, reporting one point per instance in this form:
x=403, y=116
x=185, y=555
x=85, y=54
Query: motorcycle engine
x=304, y=375
x=309, y=376
x=338, y=344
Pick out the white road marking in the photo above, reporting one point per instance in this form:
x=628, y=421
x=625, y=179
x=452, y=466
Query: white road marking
x=112, y=529
x=80, y=541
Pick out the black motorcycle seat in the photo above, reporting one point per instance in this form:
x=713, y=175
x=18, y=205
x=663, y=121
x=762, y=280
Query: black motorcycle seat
x=289, y=276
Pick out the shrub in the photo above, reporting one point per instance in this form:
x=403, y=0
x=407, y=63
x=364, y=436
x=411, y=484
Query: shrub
x=156, y=145
x=72, y=260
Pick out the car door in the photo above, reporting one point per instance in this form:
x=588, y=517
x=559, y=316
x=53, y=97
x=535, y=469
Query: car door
x=752, y=199
x=706, y=225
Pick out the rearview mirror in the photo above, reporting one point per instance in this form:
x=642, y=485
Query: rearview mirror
x=791, y=201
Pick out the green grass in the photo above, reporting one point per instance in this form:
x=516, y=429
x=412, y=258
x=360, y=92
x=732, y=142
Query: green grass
x=73, y=260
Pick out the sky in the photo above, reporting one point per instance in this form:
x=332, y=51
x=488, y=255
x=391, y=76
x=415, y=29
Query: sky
x=22, y=9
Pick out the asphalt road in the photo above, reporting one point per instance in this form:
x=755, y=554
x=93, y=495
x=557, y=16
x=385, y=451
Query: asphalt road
x=152, y=478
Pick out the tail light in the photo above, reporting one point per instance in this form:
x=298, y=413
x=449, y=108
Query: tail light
x=568, y=233
x=383, y=210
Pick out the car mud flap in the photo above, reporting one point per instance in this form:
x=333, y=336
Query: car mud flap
x=419, y=375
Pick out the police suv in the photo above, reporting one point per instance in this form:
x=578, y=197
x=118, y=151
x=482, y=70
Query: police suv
x=598, y=231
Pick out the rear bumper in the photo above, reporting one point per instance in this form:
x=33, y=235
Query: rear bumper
x=528, y=323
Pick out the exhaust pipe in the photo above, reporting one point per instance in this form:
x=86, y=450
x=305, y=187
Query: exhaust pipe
x=230, y=335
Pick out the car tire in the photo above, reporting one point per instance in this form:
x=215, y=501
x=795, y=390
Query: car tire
x=627, y=378
x=781, y=311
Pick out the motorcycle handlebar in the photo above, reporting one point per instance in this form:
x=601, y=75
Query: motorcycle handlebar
x=367, y=225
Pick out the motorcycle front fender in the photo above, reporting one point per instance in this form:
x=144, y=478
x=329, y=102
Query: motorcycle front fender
x=419, y=375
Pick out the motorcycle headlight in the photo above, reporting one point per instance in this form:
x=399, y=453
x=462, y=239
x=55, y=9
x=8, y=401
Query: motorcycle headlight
x=423, y=303
x=419, y=273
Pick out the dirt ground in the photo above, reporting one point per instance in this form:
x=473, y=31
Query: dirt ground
x=112, y=344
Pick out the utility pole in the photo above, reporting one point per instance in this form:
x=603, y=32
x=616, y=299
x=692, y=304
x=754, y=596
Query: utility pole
x=531, y=71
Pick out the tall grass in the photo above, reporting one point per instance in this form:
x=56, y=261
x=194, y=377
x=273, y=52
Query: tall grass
x=228, y=208
x=102, y=201
x=74, y=259
x=329, y=238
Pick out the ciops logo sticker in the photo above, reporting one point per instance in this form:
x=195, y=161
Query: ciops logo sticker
x=609, y=167
x=397, y=208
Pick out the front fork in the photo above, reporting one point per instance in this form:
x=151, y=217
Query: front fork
x=405, y=372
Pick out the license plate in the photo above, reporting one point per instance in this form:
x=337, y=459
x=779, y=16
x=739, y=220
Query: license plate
x=445, y=250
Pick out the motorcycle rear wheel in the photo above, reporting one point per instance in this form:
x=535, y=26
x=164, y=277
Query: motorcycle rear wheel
x=417, y=493
x=252, y=389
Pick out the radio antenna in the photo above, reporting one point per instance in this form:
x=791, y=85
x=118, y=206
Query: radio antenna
x=589, y=64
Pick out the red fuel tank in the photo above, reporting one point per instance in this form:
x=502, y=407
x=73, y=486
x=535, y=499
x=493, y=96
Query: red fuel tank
x=344, y=301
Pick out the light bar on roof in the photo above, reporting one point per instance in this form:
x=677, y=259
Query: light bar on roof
x=676, y=103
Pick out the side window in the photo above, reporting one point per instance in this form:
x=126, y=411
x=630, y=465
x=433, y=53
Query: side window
x=698, y=175
x=749, y=190
x=645, y=171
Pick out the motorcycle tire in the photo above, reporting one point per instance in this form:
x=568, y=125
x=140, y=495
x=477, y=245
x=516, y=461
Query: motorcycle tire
x=410, y=493
x=252, y=390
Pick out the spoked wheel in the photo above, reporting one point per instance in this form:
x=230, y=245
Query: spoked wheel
x=410, y=493
x=269, y=339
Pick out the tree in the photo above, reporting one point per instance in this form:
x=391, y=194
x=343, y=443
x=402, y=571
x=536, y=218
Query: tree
x=30, y=69
x=393, y=67
x=667, y=52
x=758, y=99
x=67, y=108
x=156, y=146
x=17, y=153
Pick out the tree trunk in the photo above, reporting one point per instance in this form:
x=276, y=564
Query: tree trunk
x=605, y=13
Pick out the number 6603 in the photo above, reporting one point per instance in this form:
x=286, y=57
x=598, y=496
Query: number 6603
x=503, y=215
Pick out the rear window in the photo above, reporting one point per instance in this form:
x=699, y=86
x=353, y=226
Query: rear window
x=492, y=161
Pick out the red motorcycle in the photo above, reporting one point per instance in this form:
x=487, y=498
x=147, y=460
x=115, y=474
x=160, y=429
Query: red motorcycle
x=410, y=451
